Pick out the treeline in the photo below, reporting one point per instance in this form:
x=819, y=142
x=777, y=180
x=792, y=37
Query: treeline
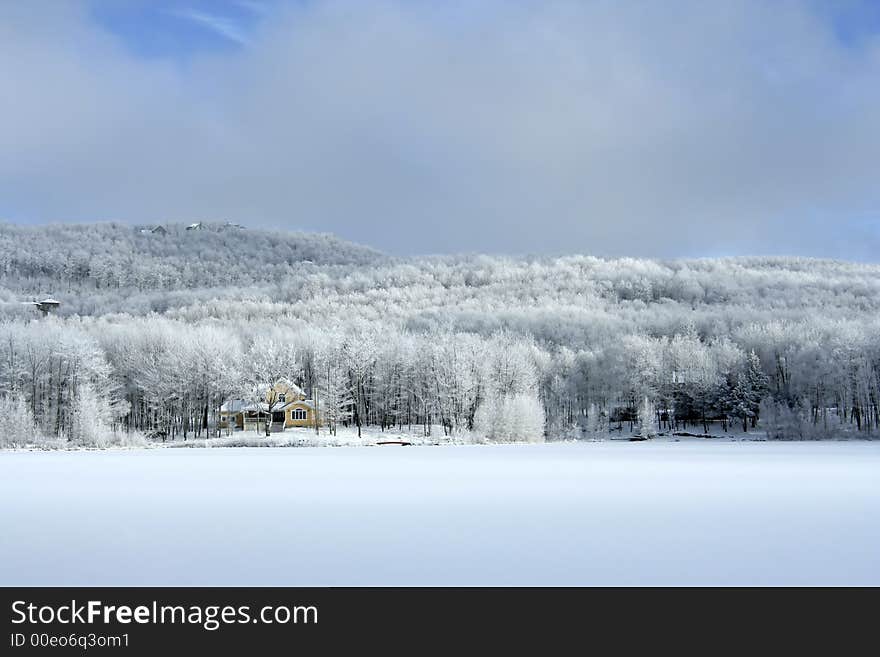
x=167, y=379
x=110, y=380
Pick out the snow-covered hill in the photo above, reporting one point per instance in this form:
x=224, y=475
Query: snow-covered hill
x=113, y=267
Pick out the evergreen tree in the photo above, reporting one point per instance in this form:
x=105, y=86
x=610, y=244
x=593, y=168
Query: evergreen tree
x=750, y=389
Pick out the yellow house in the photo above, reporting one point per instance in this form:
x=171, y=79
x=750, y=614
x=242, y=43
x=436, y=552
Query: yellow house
x=285, y=405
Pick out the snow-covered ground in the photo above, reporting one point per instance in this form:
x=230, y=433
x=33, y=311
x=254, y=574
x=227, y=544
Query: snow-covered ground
x=344, y=437
x=690, y=512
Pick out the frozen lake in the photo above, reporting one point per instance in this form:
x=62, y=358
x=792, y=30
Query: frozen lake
x=555, y=514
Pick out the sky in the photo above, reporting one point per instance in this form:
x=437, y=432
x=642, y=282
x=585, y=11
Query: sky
x=681, y=128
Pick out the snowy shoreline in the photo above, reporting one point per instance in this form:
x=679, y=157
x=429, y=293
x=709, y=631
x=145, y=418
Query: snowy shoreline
x=312, y=442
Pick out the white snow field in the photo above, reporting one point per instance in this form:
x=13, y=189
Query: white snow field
x=612, y=513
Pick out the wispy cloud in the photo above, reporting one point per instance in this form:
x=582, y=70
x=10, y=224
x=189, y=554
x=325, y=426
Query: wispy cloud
x=220, y=25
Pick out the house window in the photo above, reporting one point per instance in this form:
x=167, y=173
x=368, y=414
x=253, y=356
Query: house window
x=298, y=414
x=282, y=398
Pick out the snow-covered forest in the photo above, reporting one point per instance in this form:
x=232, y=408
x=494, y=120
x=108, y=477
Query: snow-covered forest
x=156, y=330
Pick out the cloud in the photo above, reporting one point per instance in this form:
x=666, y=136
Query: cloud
x=665, y=129
x=224, y=27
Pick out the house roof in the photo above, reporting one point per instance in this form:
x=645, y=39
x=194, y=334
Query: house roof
x=300, y=402
x=289, y=384
x=238, y=406
x=45, y=302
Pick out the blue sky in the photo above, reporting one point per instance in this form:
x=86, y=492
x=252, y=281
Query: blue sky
x=680, y=128
x=854, y=21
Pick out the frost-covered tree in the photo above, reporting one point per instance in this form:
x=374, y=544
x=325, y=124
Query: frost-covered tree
x=17, y=428
x=359, y=352
x=647, y=417
x=516, y=417
x=331, y=384
x=92, y=416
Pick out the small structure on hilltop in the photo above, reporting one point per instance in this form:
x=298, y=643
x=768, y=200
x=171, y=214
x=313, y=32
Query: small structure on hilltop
x=155, y=230
x=45, y=306
x=196, y=226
